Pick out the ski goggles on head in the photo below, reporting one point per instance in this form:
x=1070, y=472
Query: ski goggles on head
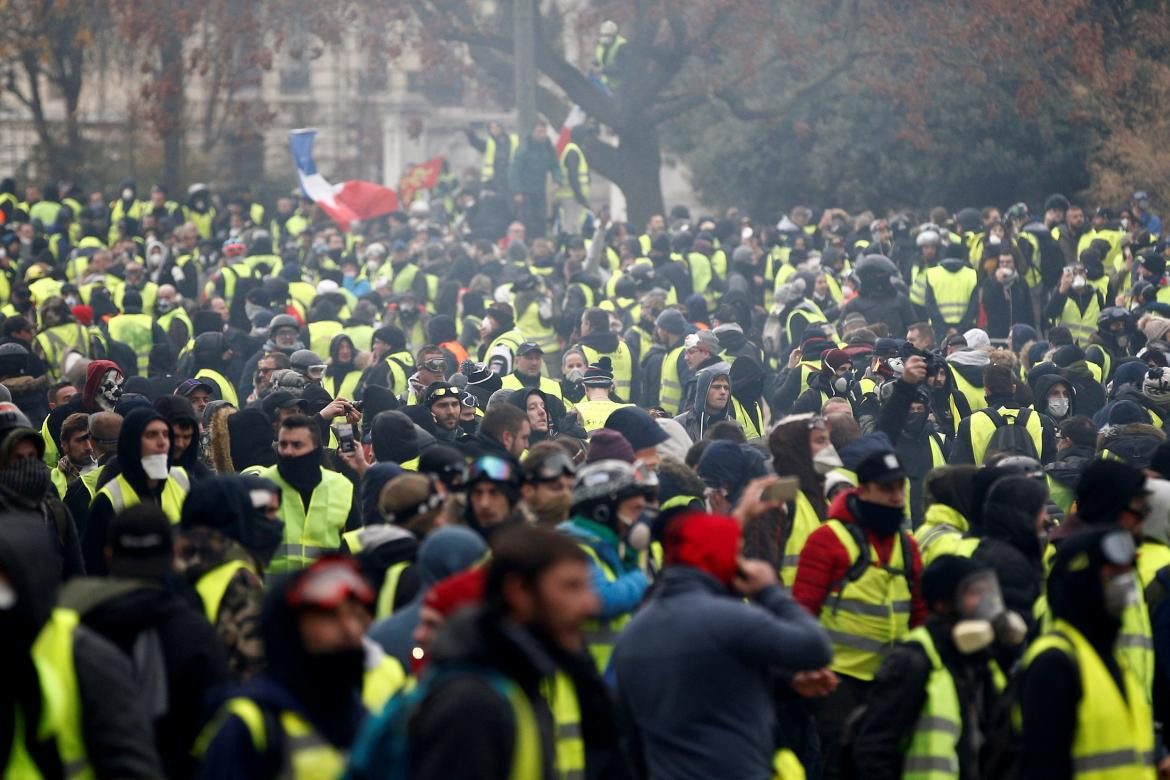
x=468, y=400
x=328, y=582
x=442, y=392
x=553, y=467
x=438, y=365
x=491, y=468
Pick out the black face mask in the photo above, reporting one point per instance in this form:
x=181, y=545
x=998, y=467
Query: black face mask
x=915, y=425
x=28, y=478
x=264, y=537
x=882, y=520
x=301, y=471
x=335, y=677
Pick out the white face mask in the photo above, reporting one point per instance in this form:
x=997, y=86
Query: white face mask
x=1078, y=282
x=826, y=460
x=1058, y=407
x=155, y=466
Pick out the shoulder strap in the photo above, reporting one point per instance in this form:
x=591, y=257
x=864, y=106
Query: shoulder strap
x=995, y=416
x=1022, y=417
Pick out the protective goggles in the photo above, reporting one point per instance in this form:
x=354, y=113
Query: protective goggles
x=491, y=468
x=328, y=582
x=442, y=392
x=468, y=400
x=315, y=372
x=553, y=467
x=431, y=502
x=438, y=365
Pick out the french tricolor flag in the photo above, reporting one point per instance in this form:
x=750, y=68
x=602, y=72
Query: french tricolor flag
x=576, y=117
x=346, y=202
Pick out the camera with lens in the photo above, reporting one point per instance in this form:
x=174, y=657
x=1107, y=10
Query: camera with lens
x=934, y=361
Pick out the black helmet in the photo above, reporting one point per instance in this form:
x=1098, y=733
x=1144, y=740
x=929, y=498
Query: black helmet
x=1113, y=314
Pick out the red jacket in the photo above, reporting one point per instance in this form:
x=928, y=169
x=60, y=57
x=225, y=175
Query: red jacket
x=824, y=561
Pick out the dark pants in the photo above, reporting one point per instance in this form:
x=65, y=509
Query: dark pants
x=534, y=215
x=832, y=713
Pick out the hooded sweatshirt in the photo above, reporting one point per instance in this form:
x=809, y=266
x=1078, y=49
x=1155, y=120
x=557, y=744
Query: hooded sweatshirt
x=697, y=420
x=129, y=466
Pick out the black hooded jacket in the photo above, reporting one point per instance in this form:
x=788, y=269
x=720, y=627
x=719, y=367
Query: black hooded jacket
x=129, y=465
x=1010, y=543
x=114, y=724
x=177, y=410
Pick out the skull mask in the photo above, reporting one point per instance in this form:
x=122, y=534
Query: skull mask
x=110, y=390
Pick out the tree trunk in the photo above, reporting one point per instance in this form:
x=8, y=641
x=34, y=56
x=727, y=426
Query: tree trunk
x=638, y=173
x=171, y=123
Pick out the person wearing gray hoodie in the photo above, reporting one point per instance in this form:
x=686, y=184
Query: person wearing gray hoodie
x=711, y=401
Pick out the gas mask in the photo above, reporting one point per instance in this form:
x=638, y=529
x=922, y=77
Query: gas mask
x=637, y=530
x=826, y=460
x=842, y=381
x=110, y=390
x=983, y=619
x=895, y=365
x=1120, y=594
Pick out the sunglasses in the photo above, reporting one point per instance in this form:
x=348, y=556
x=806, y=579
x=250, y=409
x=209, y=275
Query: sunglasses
x=328, y=582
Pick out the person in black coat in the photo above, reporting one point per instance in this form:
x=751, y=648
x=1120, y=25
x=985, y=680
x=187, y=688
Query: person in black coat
x=1005, y=299
x=877, y=299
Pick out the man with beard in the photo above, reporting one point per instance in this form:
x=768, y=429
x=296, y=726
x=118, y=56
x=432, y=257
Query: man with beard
x=77, y=453
x=25, y=488
x=303, y=712
x=316, y=504
x=492, y=661
x=860, y=574
x=143, y=475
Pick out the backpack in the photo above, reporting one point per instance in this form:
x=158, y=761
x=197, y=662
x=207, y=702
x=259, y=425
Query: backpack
x=382, y=750
x=1010, y=438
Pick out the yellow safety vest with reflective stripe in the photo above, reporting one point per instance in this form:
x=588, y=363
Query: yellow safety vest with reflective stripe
x=177, y=313
x=1152, y=557
x=488, y=171
x=213, y=585
x=670, y=383
x=606, y=57
x=512, y=339
x=148, y=292
x=811, y=316
x=58, y=340
x=751, y=430
x=312, y=532
x=528, y=322
x=565, y=191
x=547, y=386
x=1114, y=738
x=1082, y=325
x=385, y=606
x=595, y=413
x=940, y=533
x=933, y=750
x=600, y=635
x=321, y=333
x=122, y=496
x=561, y=695
x=623, y=366
x=701, y=274
x=804, y=522
x=226, y=391
x=983, y=428
x=1135, y=643
x=952, y=291
x=307, y=755
x=867, y=615
x=137, y=332
x=401, y=367
x=975, y=396
x=61, y=705
x=343, y=386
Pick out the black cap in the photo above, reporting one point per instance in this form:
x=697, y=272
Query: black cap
x=281, y=399
x=529, y=346
x=880, y=467
x=637, y=426
x=439, y=390
x=141, y=543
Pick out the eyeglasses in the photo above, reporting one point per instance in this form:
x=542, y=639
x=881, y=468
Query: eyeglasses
x=328, y=582
x=553, y=467
x=491, y=468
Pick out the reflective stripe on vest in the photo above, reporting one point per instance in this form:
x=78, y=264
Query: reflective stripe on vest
x=751, y=429
x=399, y=362
x=810, y=318
x=52, y=655
x=306, y=753
x=213, y=585
x=952, y=291
x=983, y=428
x=309, y=534
x=976, y=399
x=561, y=695
x=344, y=386
x=528, y=322
x=1114, y=738
x=58, y=340
x=582, y=173
x=547, y=386
x=488, y=171
x=600, y=635
x=804, y=522
x=866, y=615
x=933, y=750
x=595, y=413
x=1135, y=643
x=122, y=496
x=226, y=391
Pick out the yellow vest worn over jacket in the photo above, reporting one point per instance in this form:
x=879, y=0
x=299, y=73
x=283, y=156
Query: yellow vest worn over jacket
x=595, y=413
x=137, y=332
x=670, y=383
x=983, y=427
x=952, y=291
x=59, y=339
x=804, y=522
x=212, y=586
x=226, y=391
x=1114, y=737
x=1082, y=325
x=868, y=612
x=313, y=531
x=623, y=366
x=549, y=387
x=122, y=496
x=307, y=754
x=600, y=635
x=488, y=171
x=561, y=695
x=565, y=191
x=940, y=533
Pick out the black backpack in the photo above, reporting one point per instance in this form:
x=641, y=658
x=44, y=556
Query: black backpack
x=1010, y=438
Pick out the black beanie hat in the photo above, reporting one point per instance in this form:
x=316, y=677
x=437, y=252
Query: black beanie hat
x=941, y=578
x=1106, y=487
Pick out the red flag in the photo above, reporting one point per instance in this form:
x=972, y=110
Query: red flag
x=420, y=176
